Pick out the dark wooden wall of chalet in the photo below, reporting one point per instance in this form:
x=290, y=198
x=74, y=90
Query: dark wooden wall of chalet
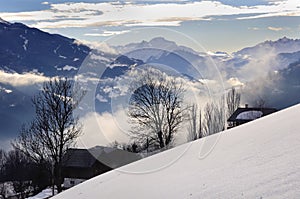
x=85, y=173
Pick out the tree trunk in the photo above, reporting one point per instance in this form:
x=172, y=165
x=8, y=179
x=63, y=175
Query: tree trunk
x=161, y=141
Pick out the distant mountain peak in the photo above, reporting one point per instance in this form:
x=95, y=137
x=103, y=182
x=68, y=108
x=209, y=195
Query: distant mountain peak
x=154, y=48
x=286, y=39
x=160, y=39
x=280, y=40
x=281, y=45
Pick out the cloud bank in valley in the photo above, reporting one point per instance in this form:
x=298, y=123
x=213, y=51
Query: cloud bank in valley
x=103, y=129
x=24, y=79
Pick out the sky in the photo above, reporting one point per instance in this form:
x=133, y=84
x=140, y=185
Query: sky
x=219, y=25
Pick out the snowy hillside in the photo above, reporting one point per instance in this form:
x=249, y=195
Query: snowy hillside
x=257, y=160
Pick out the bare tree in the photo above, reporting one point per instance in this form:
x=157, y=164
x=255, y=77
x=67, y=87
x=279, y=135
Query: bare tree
x=195, y=123
x=208, y=126
x=18, y=169
x=155, y=109
x=260, y=102
x=214, y=118
x=233, y=100
x=2, y=190
x=3, y=159
x=54, y=128
x=192, y=128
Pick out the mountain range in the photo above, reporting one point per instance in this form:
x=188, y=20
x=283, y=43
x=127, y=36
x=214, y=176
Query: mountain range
x=29, y=55
x=25, y=49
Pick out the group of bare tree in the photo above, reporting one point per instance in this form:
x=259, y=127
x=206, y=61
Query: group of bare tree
x=54, y=129
x=195, y=128
x=156, y=111
x=205, y=122
x=212, y=119
x=20, y=176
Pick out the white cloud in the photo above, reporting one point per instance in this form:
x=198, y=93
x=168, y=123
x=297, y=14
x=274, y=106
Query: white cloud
x=45, y=3
x=235, y=82
x=95, y=34
x=142, y=14
x=106, y=33
x=102, y=129
x=253, y=28
x=275, y=28
x=25, y=79
x=102, y=46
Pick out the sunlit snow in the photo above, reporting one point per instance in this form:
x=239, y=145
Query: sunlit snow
x=259, y=159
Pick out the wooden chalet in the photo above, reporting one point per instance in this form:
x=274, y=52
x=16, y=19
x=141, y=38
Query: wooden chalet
x=247, y=114
x=82, y=164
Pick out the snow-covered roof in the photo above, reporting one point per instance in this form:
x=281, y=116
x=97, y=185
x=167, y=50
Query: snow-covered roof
x=249, y=115
x=257, y=160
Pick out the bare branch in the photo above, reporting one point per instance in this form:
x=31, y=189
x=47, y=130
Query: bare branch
x=155, y=109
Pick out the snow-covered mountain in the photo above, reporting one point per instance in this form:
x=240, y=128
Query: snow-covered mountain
x=269, y=56
x=157, y=43
x=257, y=160
x=282, y=45
x=25, y=49
x=28, y=56
x=269, y=71
x=265, y=57
x=260, y=69
x=168, y=54
x=286, y=87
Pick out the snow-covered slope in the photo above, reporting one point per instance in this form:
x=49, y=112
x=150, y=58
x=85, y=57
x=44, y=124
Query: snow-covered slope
x=257, y=160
